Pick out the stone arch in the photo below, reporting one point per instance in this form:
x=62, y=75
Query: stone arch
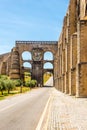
x=26, y=55
x=48, y=68
x=27, y=73
x=36, y=50
x=48, y=78
x=48, y=55
x=48, y=65
x=27, y=65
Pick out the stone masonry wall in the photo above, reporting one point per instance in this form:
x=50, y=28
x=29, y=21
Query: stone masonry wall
x=72, y=77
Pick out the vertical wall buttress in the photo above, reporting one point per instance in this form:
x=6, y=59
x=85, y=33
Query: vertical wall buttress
x=15, y=64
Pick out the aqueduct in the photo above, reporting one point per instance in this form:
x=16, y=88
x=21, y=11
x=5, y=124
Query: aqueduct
x=12, y=64
x=70, y=54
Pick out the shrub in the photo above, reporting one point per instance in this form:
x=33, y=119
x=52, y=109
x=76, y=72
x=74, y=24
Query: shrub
x=34, y=82
x=18, y=82
x=4, y=77
x=31, y=83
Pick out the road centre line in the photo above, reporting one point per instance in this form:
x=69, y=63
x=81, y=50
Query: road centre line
x=43, y=115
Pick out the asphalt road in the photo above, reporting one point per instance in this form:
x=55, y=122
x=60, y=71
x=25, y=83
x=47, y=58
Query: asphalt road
x=23, y=111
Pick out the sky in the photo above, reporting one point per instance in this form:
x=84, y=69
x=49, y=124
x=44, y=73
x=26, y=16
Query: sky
x=30, y=20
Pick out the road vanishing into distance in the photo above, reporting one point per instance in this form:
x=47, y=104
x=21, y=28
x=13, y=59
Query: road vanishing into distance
x=23, y=112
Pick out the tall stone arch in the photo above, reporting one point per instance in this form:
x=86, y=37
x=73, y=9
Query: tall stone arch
x=37, y=49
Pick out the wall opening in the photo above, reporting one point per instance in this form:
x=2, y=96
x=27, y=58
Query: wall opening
x=48, y=65
x=27, y=71
x=48, y=56
x=26, y=55
x=27, y=65
x=48, y=79
x=48, y=74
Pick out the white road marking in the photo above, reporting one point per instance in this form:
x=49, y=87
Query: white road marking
x=13, y=100
x=8, y=107
x=43, y=115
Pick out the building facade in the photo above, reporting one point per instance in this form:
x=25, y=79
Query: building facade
x=72, y=51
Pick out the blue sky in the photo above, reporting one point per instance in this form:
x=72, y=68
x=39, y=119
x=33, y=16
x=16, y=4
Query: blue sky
x=30, y=20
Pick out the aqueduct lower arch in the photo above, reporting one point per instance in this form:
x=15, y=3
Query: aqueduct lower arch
x=14, y=63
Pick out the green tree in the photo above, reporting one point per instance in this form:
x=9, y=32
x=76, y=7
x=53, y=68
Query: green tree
x=10, y=85
x=2, y=85
x=31, y=83
x=18, y=82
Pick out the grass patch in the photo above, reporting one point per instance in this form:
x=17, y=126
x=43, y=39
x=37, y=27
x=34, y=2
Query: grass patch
x=17, y=90
x=2, y=97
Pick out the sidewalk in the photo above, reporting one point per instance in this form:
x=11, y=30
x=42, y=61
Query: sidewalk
x=66, y=112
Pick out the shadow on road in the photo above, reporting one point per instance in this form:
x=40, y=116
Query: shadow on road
x=47, y=86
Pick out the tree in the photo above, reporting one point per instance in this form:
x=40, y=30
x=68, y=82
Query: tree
x=31, y=83
x=18, y=82
x=2, y=85
x=9, y=85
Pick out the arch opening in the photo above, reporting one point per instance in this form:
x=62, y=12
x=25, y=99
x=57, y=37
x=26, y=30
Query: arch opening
x=26, y=55
x=48, y=74
x=48, y=65
x=27, y=65
x=48, y=79
x=48, y=56
x=27, y=71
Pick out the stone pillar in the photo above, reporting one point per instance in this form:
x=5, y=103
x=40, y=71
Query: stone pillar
x=63, y=70
x=73, y=62
x=37, y=71
x=3, y=69
x=66, y=83
x=15, y=64
x=63, y=83
x=81, y=86
x=73, y=82
x=66, y=69
x=5, y=64
x=72, y=28
x=8, y=66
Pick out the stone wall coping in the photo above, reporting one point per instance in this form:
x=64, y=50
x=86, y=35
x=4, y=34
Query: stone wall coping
x=36, y=42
